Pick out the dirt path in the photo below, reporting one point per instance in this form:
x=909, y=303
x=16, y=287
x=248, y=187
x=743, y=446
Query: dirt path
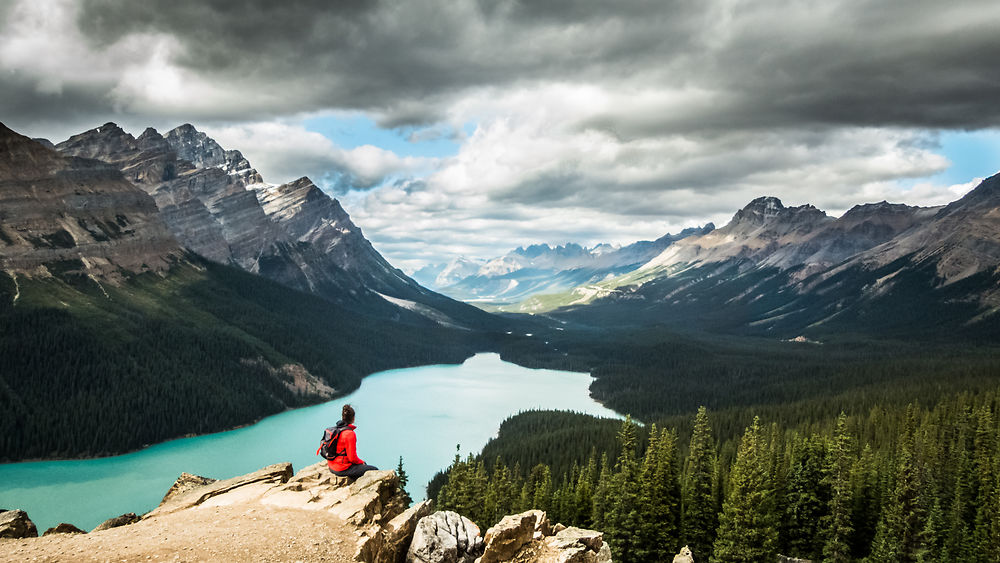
x=241, y=532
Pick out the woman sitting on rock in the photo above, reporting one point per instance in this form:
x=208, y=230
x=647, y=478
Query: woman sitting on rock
x=344, y=461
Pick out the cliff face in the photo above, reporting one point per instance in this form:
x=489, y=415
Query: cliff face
x=75, y=216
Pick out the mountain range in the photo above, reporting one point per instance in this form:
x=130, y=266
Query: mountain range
x=541, y=269
x=218, y=206
x=789, y=270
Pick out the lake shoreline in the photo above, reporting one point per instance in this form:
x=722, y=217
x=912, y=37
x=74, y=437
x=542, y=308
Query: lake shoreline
x=418, y=414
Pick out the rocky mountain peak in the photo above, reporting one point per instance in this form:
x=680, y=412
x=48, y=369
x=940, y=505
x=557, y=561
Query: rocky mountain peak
x=770, y=211
x=986, y=194
x=109, y=142
x=20, y=156
x=196, y=147
x=151, y=139
x=882, y=208
x=758, y=211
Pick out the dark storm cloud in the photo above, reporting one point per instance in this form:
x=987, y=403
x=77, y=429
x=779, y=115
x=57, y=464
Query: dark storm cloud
x=912, y=63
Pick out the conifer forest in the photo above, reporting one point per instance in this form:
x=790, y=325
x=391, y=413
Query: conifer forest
x=902, y=484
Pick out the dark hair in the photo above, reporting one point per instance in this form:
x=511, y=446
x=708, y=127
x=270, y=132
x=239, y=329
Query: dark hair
x=347, y=414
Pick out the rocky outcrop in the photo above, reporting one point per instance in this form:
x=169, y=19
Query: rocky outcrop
x=786, y=559
x=118, y=521
x=368, y=520
x=185, y=483
x=261, y=481
x=373, y=506
x=573, y=545
x=511, y=533
x=398, y=533
x=16, y=524
x=684, y=556
x=63, y=528
x=445, y=537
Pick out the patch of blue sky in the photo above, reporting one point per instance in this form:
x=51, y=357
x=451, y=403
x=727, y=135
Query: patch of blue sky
x=972, y=154
x=353, y=130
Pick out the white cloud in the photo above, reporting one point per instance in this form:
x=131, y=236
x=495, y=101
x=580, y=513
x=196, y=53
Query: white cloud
x=283, y=151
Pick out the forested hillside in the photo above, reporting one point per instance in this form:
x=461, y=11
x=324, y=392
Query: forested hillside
x=95, y=369
x=899, y=484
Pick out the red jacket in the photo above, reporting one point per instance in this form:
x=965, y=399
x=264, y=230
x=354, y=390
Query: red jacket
x=346, y=442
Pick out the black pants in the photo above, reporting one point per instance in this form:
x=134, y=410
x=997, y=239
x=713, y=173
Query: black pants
x=355, y=470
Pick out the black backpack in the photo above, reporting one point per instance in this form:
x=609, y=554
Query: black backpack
x=329, y=442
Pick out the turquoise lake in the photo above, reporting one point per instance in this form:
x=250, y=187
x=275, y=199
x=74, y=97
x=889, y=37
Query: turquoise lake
x=418, y=413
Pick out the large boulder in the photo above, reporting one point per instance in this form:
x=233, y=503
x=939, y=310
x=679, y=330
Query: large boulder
x=445, y=537
x=371, y=499
x=16, y=524
x=684, y=556
x=117, y=521
x=573, y=545
x=63, y=528
x=505, y=538
x=398, y=533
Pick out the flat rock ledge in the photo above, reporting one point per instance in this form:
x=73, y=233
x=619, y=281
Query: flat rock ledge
x=373, y=506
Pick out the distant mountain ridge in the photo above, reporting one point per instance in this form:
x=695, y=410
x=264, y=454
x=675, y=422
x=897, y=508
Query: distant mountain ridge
x=540, y=268
x=794, y=270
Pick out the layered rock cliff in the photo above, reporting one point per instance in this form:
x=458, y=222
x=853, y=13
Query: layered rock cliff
x=72, y=216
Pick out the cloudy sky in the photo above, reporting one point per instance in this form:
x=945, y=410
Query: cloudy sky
x=465, y=127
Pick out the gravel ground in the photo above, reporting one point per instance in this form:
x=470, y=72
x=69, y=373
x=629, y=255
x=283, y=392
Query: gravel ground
x=242, y=532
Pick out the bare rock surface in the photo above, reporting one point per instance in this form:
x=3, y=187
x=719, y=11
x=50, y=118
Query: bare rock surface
x=16, y=524
x=529, y=538
x=185, y=483
x=445, y=537
x=398, y=533
x=505, y=538
x=684, y=556
x=74, y=216
x=271, y=475
x=63, y=528
x=123, y=520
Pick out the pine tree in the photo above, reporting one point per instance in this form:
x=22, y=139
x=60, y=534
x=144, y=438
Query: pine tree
x=699, y=516
x=583, y=494
x=602, y=497
x=867, y=502
x=403, y=480
x=622, y=522
x=807, y=500
x=838, y=526
x=748, y=523
x=659, y=498
x=898, y=536
x=932, y=544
